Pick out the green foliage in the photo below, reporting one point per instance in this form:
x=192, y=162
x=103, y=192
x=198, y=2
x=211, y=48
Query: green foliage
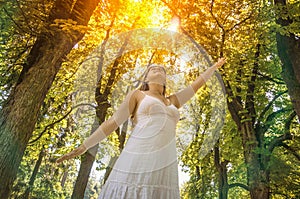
x=231, y=28
x=289, y=12
x=20, y=22
x=243, y=26
x=285, y=173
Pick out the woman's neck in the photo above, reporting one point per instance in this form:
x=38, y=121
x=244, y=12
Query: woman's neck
x=156, y=89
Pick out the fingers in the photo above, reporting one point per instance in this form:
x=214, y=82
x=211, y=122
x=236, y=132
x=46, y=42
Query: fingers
x=76, y=152
x=221, y=62
x=64, y=157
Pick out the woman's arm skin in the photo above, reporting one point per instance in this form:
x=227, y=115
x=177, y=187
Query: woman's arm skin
x=106, y=128
x=181, y=97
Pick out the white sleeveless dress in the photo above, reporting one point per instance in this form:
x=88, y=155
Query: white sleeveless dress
x=147, y=167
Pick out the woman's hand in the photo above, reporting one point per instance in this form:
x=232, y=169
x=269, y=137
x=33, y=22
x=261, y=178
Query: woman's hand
x=221, y=62
x=76, y=152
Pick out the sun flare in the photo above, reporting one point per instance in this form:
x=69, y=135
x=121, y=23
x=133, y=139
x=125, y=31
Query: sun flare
x=174, y=24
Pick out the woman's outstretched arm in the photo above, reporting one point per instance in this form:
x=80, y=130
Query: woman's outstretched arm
x=119, y=117
x=184, y=95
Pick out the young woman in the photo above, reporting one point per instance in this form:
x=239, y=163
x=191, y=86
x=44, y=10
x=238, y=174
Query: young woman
x=147, y=167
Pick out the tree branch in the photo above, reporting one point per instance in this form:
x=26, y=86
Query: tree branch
x=270, y=104
x=234, y=105
x=242, y=21
x=286, y=136
x=214, y=17
x=293, y=151
x=277, y=80
x=274, y=115
x=57, y=121
x=239, y=185
x=217, y=157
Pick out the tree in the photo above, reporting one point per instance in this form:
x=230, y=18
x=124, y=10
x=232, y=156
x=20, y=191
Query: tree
x=34, y=173
x=243, y=77
x=288, y=45
x=106, y=80
x=19, y=113
x=259, y=145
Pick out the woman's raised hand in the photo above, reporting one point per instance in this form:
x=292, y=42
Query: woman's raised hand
x=76, y=152
x=221, y=61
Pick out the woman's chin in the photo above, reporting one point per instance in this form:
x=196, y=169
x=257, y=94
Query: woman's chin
x=157, y=83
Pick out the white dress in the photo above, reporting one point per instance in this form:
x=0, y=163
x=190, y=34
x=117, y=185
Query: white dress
x=147, y=167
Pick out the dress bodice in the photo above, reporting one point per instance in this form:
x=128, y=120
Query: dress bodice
x=152, y=138
x=153, y=107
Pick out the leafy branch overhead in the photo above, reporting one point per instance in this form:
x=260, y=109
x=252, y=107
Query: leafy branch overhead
x=55, y=78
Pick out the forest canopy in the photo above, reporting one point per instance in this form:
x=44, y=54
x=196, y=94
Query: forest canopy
x=67, y=65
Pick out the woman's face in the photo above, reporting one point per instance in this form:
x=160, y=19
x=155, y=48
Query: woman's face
x=156, y=74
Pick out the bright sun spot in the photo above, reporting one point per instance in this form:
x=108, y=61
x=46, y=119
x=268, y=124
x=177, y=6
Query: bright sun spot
x=174, y=24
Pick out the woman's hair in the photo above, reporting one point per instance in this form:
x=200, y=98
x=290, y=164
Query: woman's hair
x=145, y=86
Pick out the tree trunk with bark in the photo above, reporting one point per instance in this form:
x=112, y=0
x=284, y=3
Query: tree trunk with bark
x=244, y=114
x=221, y=167
x=88, y=158
x=102, y=106
x=20, y=112
x=288, y=46
x=86, y=165
x=257, y=173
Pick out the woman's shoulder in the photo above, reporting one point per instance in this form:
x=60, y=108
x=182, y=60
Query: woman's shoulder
x=136, y=94
x=173, y=99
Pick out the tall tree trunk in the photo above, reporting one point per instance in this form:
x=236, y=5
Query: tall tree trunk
x=64, y=179
x=34, y=173
x=102, y=106
x=88, y=158
x=87, y=161
x=244, y=114
x=257, y=174
x=288, y=46
x=19, y=114
x=221, y=167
